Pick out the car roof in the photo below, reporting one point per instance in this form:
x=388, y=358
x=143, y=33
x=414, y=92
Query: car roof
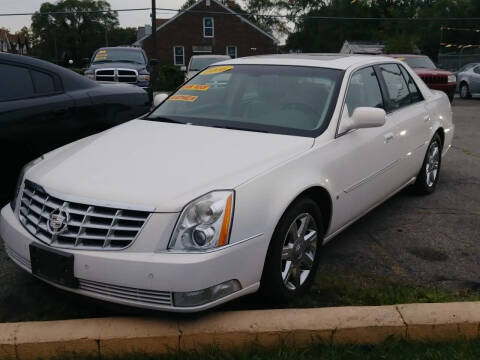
x=70, y=78
x=211, y=56
x=133, y=48
x=333, y=61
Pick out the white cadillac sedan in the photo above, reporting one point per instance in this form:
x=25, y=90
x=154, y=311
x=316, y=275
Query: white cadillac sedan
x=232, y=184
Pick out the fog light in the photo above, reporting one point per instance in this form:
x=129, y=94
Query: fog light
x=200, y=297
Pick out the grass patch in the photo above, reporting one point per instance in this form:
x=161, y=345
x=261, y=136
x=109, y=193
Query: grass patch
x=391, y=350
x=355, y=289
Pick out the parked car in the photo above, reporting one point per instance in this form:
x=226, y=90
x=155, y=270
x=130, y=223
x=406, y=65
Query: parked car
x=468, y=79
x=121, y=64
x=200, y=62
x=269, y=164
x=44, y=106
x=435, y=78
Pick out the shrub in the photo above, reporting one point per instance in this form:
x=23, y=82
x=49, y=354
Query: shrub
x=166, y=77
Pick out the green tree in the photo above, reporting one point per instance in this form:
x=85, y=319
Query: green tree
x=72, y=29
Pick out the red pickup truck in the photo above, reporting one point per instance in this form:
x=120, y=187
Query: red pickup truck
x=432, y=76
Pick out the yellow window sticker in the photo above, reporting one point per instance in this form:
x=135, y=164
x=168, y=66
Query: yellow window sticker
x=216, y=70
x=197, y=87
x=189, y=98
x=401, y=59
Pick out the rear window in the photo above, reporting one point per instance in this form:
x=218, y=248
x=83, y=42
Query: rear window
x=19, y=82
x=44, y=83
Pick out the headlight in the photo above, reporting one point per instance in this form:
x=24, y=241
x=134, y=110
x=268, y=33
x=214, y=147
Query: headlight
x=90, y=76
x=452, y=78
x=204, y=223
x=24, y=170
x=143, y=78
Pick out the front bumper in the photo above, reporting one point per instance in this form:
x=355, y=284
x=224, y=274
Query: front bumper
x=147, y=279
x=448, y=88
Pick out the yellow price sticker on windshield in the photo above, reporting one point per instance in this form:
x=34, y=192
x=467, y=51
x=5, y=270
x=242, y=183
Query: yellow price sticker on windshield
x=189, y=98
x=216, y=70
x=401, y=59
x=197, y=87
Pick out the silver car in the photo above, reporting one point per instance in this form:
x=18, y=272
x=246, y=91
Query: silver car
x=468, y=80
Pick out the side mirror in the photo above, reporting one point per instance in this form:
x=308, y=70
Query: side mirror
x=86, y=61
x=366, y=117
x=158, y=99
x=154, y=62
x=183, y=68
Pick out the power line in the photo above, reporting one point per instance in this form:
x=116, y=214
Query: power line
x=245, y=14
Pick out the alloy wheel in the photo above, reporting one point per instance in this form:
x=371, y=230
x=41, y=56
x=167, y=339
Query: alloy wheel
x=299, y=249
x=433, y=163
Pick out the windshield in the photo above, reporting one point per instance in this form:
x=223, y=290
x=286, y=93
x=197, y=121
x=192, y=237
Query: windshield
x=198, y=64
x=119, y=55
x=280, y=99
x=419, y=62
x=466, y=67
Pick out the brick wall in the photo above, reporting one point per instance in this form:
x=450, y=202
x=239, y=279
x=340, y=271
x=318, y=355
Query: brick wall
x=229, y=29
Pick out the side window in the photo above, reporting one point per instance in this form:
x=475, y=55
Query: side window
x=208, y=27
x=415, y=94
x=477, y=70
x=363, y=91
x=44, y=83
x=19, y=82
x=397, y=89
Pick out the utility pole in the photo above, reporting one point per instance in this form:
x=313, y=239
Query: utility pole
x=154, y=30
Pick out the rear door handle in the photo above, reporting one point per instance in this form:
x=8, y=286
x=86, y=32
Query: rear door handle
x=388, y=137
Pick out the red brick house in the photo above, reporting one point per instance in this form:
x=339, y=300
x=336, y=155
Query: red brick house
x=207, y=27
x=13, y=43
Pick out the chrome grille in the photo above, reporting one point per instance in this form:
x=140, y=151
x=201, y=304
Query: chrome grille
x=87, y=226
x=116, y=75
x=127, y=293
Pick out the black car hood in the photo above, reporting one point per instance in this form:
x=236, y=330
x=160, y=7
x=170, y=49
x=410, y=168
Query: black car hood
x=122, y=65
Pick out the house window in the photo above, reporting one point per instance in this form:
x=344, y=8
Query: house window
x=232, y=51
x=5, y=46
x=178, y=55
x=208, y=27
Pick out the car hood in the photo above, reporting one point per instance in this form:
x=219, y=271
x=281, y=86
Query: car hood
x=162, y=165
x=122, y=65
x=435, y=72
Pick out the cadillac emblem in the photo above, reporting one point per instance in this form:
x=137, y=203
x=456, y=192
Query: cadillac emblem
x=57, y=221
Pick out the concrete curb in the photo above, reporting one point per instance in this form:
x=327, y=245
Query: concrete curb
x=235, y=330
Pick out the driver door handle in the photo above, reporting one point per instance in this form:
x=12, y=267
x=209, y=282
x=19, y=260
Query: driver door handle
x=388, y=137
x=426, y=118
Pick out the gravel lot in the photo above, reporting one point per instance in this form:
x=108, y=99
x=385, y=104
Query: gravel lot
x=430, y=240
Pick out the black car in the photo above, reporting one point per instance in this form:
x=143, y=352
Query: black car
x=124, y=64
x=44, y=106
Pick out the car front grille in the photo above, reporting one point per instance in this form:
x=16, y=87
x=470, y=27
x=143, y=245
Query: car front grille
x=434, y=79
x=84, y=226
x=116, y=75
x=149, y=297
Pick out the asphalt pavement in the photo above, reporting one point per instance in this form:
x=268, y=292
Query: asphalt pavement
x=432, y=240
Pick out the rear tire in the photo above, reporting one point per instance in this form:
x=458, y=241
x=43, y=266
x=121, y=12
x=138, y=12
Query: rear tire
x=294, y=252
x=429, y=174
x=465, y=91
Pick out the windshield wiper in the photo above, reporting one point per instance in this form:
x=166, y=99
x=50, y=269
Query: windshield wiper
x=164, y=119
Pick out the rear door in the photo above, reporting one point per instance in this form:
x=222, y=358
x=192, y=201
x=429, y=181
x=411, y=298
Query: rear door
x=406, y=109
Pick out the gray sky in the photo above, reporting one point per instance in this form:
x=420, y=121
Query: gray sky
x=134, y=18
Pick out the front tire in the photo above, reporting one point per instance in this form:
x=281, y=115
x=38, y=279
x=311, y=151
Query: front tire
x=429, y=174
x=294, y=252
